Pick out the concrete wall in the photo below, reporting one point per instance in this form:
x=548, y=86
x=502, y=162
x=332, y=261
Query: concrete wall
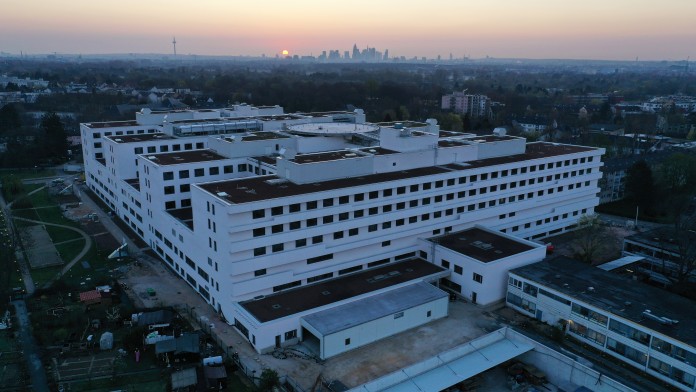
x=562, y=370
x=381, y=328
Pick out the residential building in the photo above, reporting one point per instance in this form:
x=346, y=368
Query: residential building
x=462, y=103
x=641, y=325
x=255, y=208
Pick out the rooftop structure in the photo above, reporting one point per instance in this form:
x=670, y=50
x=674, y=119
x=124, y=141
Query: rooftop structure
x=482, y=245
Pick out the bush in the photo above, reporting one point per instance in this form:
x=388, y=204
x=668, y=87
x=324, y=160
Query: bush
x=268, y=380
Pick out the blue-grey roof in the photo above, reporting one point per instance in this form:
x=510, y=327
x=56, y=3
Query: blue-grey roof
x=359, y=312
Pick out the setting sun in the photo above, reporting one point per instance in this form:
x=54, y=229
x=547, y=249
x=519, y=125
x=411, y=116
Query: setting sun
x=285, y=53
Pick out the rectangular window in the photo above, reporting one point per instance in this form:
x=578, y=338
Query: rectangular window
x=275, y=211
x=328, y=202
x=318, y=259
x=260, y=251
x=312, y=205
x=317, y=239
x=478, y=278
x=214, y=171
x=277, y=247
x=590, y=314
x=458, y=269
x=260, y=231
x=349, y=270
x=258, y=214
x=166, y=176
x=199, y=172
x=260, y=272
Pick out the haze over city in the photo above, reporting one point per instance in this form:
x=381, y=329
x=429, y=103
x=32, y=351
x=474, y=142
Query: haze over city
x=616, y=30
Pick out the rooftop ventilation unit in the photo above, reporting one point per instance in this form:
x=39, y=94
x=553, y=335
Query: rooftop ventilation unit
x=662, y=320
x=222, y=194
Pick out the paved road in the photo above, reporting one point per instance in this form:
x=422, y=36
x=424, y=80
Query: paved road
x=37, y=373
x=23, y=265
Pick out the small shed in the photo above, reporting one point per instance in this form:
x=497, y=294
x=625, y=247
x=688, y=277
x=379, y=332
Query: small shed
x=157, y=317
x=106, y=341
x=184, y=378
x=91, y=297
x=188, y=343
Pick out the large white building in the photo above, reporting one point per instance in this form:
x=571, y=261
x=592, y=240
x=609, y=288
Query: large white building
x=643, y=326
x=245, y=202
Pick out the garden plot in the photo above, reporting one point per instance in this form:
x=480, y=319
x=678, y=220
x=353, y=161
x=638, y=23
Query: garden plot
x=40, y=248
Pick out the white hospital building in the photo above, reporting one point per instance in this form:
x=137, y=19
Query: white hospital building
x=286, y=223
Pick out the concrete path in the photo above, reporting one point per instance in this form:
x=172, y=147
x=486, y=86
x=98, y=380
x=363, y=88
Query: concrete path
x=83, y=252
x=37, y=373
x=19, y=255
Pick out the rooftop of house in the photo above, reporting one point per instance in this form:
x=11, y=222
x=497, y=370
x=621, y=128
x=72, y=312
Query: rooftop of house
x=293, y=301
x=143, y=137
x=482, y=245
x=180, y=157
x=616, y=294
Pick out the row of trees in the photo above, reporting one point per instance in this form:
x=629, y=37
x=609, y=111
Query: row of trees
x=27, y=146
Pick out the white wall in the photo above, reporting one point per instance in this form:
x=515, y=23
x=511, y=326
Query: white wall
x=381, y=328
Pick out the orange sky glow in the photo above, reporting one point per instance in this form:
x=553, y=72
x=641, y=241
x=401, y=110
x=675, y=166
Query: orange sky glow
x=617, y=29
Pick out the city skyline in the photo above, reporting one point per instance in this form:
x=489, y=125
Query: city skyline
x=619, y=30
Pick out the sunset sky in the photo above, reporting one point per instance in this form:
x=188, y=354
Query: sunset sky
x=591, y=29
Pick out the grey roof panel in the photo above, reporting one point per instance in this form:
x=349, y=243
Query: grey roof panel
x=362, y=311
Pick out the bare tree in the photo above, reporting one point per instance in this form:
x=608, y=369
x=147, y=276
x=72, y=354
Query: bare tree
x=590, y=240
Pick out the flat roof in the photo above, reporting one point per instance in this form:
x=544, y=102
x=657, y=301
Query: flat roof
x=482, y=245
x=304, y=298
x=665, y=238
x=618, y=263
x=266, y=159
x=185, y=215
x=180, y=157
x=616, y=294
x=253, y=189
x=111, y=124
x=134, y=182
x=143, y=137
x=325, y=156
x=378, y=151
x=263, y=136
x=451, y=143
x=331, y=128
x=362, y=311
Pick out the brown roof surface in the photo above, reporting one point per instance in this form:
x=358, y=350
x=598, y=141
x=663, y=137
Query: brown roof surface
x=325, y=156
x=185, y=215
x=451, y=143
x=378, y=151
x=308, y=297
x=482, y=245
x=134, y=182
x=143, y=137
x=266, y=159
x=178, y=157
x=258, y=188
x=110, y=124
x=263, y=136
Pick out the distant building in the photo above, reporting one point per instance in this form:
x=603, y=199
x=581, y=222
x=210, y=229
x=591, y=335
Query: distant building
x=462, y=103
x=640, y=325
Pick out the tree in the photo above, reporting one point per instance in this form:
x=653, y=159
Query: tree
x=590, y=238
x=9, y=118
x=54, y=142
x=640, y=186
x=268, y=380
x=678, y=173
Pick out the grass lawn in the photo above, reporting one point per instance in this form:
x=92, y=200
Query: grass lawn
x=151, y=381
x=27, y=173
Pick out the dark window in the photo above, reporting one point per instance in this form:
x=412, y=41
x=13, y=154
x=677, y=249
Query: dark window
x=311, y=222
x=260, y=272
x=277, y=247
x=328, y=202
x=277, y=229
x=317, y=239
x=214, y=171
x=199, y=172
x=353, y=232
x=338, y=235
x=311, y=205
x=294, y=225
x=168, y=190
x=373, y=195
x=183, y=174
x=458, y=269
x=359, y=197
x=258, y=232
x=328, y=219
x=343, y=200
x=294, y=207
x=300, y=243
x=257, y=214
x=260, y=251
x=168, y=176
x=185, y=188
x=277, y=210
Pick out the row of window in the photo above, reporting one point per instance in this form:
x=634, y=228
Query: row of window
x=98, y=135
x=200, y=172
x=460, y=271
x=344, y=216
x=359, y=197
x=165, y=148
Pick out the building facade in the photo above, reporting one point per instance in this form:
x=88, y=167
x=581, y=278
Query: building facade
x=472, y=104
x=245, y=202
x=638, y=324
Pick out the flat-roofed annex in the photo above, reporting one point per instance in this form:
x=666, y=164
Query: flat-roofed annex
x=180, y=157
x=316, y=295
x=482, y=245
